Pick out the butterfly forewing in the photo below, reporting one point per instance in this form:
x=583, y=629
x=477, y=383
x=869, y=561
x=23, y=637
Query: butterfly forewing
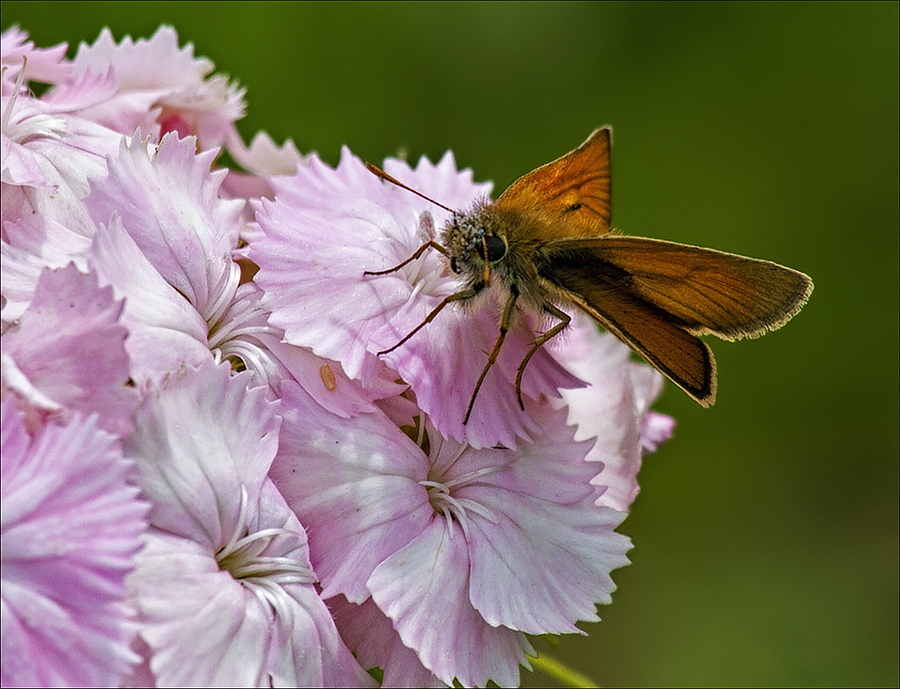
x=707, y=291
x=569, y=197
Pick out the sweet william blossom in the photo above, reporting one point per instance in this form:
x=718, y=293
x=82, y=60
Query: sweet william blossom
x=436, y=546
x=165, y=242
x=71, y=527
x=49, y=156
x=224, y=588
x=173, y=96
x=464, y=549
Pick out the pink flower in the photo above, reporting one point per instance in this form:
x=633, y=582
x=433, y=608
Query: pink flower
x=172, y=96
x=66, y=353
x=165, y=242
x=47, y=65
x=613, y=409
x=264, y=158
x=464, y=549
x=250, y=368
x=48, y=156
x=71, y=527
x=327, y=228
x=225, y=587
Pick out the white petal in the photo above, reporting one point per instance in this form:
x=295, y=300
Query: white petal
x=423, y=588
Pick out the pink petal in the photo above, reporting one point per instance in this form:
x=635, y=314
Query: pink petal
x=168, y=204
x=131, y=58
x=656, y=429
x=165, y=331
x=553, y=561
x=458, y=187
x=368, y=632
x=203, y=445
x=264, y=157
x=436, y=619
x=354, y=485
x=47, y=244
x=46, y=65
x=81, y=91
x=54, y=244
x=71, y=527
x=70, y=345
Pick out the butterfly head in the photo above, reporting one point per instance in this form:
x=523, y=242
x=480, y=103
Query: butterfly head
x=474, y=243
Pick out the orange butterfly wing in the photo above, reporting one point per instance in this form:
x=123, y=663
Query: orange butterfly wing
x=657, y=296
x=706, y=291
x=648, y=330
x=570, y=196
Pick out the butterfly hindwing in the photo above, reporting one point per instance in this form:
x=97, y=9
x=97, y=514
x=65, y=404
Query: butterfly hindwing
x=675, y=352
x=703, y=290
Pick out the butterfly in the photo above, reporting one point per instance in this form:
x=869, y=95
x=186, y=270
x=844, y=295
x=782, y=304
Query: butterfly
x=548, y=241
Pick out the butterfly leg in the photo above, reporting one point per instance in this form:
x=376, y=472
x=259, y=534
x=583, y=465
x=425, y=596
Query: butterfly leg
x=564, y=320
x=467, y=293
x=421, y=250
x=495, y=352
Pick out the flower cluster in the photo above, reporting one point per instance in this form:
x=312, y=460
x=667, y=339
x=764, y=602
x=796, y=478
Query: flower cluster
x=213, y=474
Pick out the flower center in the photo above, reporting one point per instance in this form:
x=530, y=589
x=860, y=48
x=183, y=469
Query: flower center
x=242, y=556
x=456, y=508
x=235, y=334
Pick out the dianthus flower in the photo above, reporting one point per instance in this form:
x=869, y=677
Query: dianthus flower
x=464, y=549
x=312, y=490
x=464, y=537
x=225, y=587
x=71, y=527
x=178, y=98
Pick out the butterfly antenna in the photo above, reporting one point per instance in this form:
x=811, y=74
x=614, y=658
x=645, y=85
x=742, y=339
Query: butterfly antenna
x=378, y=172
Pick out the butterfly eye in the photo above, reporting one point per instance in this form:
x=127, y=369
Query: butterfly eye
x=492, y=248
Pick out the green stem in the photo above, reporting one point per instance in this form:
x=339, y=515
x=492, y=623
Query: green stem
x=564, y=675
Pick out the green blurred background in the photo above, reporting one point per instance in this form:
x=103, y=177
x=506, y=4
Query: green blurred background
x=767, y=531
